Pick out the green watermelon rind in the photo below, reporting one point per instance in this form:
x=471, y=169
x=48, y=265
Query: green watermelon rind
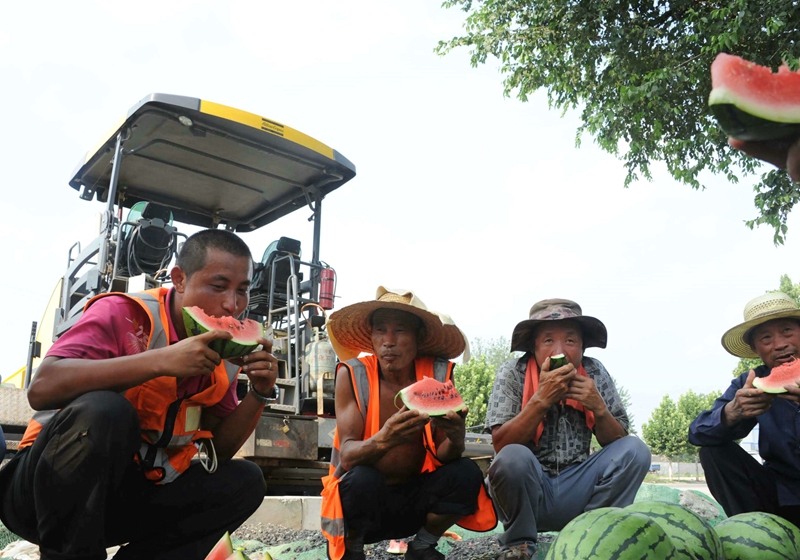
x=723, y=95
x=742, y=125
x=557, y=361
x=612, y=532
x=757, y=534
x=227, y=349
x=766, y=387
x=689, y=532
x=404, y=395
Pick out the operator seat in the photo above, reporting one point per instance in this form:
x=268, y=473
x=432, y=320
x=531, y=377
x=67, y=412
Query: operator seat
x=148, y=246
x=262, y=280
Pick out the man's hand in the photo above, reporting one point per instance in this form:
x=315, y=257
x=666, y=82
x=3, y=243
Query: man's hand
x=748, y=402
x=403, y=426
x=793, y=393
x=260, y=366
x=780, y=153
x=191, y=356
x=452, y=424
x=554, y=385
x=583, y=390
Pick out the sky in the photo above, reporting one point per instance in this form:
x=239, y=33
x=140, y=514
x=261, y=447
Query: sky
x=480, y=203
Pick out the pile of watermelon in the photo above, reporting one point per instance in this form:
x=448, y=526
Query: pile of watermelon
x=224, y=550
x=663, y=531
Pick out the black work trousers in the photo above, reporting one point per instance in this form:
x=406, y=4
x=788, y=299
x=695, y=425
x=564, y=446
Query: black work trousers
x=377, y=511
x=77, y=491
x=741, y=484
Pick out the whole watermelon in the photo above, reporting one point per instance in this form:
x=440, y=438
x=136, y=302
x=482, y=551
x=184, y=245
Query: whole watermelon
x=606, y=533
x=689, y=532
x=760, y=536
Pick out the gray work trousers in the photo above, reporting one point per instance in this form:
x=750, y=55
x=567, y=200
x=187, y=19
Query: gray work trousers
x=529, y=500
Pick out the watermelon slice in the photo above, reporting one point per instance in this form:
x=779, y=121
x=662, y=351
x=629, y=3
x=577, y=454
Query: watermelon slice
x=223, y=549
x=245, y=333
x=557, y=361
x=397, y=547
x=238, y=554
x=431, y=397
x=779, y=377
x=750, y=102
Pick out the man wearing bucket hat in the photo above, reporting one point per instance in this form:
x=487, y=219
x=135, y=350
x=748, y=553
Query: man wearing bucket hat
x=771, y=332
x=396, y=472
x=542, y=419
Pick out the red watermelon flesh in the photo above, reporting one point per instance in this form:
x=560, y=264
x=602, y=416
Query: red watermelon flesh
x=779, y=377
x=222, y=550
x=397, y=547
x=431, y=397
x=245, y=333
x=752, y=102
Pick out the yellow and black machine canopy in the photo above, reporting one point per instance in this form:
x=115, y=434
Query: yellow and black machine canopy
x=210, y=164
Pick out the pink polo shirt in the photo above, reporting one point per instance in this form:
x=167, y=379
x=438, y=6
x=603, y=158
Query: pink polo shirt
x=115, y=326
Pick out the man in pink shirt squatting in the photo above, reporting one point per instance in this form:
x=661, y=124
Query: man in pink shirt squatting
x=124, y=401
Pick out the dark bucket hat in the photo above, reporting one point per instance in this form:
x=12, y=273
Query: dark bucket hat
x=594, y=331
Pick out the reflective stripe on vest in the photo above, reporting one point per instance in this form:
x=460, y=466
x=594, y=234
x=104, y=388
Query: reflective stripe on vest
x=362, y=380
x=170, y=426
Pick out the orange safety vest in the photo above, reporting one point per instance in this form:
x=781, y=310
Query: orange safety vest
x=170, y=425
x=364, y=378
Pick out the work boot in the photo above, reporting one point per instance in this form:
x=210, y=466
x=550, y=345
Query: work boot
x=428, y=553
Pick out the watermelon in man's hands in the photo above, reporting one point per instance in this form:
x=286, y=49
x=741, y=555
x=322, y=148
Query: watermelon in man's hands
x=245, y=333
x=751, y=102
x=431, y=397
x=779, y=377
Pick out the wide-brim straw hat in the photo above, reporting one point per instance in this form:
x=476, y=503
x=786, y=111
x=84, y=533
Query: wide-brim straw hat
x=594, y=331
x=770, y=306
x=350, y=331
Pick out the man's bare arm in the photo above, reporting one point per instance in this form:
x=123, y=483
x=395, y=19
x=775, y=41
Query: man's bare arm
x=400, y=428
x=59, y=381
x=231, y=432
x=449, y=435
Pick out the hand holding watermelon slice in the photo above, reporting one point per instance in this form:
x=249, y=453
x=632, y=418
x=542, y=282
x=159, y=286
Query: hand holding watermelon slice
x=780, y=153
x=748, y=402
x=191, y=356
x=759, y=110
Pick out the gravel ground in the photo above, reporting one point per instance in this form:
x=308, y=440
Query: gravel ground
x=304, y=542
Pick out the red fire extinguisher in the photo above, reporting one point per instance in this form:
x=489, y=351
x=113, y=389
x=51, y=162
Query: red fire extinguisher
x=327, y=287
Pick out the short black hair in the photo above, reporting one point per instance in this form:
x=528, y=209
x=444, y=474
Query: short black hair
x=193, y=253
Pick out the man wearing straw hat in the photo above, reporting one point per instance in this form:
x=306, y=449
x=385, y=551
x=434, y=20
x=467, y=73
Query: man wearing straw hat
x=542, y=418
x=771, y=332
x=396, y=472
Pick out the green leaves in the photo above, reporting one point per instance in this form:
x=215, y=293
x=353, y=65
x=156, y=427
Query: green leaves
x=474, y=380
x=667, y=431
x=639, y=74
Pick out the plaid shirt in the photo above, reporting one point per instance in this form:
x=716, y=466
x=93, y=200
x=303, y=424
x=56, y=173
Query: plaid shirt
x=566, y=438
